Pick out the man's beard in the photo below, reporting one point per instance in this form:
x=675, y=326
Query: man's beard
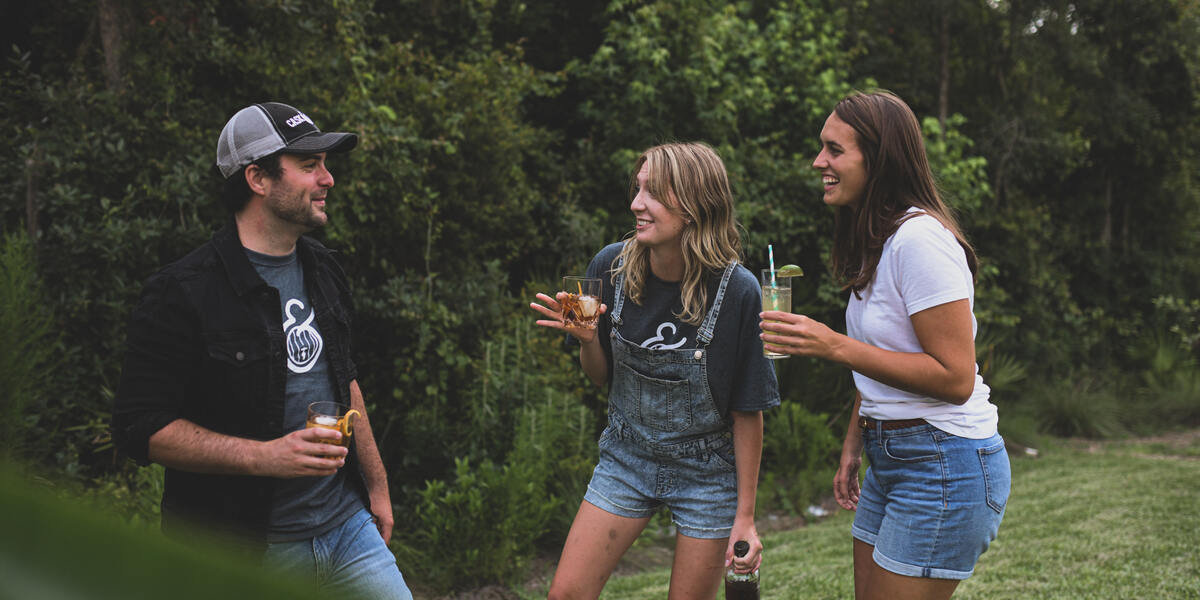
x=295, y=209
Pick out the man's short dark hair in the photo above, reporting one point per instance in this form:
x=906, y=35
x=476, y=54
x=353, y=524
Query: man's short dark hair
x=236, y=193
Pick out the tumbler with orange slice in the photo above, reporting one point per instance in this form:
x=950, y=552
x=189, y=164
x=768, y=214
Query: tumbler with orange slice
x=335, y=416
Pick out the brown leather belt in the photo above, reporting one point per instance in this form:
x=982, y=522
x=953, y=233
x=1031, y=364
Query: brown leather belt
x=869, y=423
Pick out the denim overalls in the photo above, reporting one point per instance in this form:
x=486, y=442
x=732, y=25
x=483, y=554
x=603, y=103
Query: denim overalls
x=665, y=442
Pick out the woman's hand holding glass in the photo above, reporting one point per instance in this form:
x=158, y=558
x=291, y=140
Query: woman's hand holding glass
x=551, y=308
x=798, y=335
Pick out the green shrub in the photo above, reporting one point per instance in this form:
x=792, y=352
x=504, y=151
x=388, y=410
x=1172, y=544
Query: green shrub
x=1173, y=403
x=1003, y=372
x=26, y=354
x=477, y=528
x=800, y=457
x=484, y=525
x=1181, y=318
x=1020, y=426
x=132, y=494
x=530, y=404
x=556, y=444
x=1169, y=396
x=1084, y=404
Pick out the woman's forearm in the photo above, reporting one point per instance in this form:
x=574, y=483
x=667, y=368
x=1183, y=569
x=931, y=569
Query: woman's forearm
x=594, y=362
x=747, y=449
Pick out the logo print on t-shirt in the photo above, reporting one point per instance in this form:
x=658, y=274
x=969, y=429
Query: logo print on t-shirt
x=651, y=343
x=304, y=342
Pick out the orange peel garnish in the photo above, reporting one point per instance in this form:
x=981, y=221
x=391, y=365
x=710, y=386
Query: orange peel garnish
x=345, y=423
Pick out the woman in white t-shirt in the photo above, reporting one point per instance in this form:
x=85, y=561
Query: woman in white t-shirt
x=934, y=494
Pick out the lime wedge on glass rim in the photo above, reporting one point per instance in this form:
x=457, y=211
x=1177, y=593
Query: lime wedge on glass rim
x=789, y=271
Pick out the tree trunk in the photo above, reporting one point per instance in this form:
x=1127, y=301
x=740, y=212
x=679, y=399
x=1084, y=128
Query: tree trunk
x=944, y=83
x=111, y=39
x=31, y=208
x=1106, y=232
x=1126, y=242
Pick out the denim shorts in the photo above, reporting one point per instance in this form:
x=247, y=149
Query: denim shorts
x=696, y=480
x=931, y=501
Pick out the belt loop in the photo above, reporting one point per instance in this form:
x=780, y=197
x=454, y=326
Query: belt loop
x=869, y=424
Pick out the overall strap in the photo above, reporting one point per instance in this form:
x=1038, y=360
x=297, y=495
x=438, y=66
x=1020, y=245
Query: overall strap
x=618, y=295
x=710, y=322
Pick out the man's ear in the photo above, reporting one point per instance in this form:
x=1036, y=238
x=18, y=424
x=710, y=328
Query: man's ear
x=255, y=179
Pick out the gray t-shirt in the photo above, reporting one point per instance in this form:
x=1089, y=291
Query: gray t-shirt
x=739, y=376
x=307, y=506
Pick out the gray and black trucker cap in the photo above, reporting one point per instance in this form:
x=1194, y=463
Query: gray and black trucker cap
x=264, y=129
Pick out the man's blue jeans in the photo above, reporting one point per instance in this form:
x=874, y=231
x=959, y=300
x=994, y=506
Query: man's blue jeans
x=352, y=558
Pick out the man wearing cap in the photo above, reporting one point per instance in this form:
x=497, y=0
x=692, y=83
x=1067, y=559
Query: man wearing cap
x=227, y=348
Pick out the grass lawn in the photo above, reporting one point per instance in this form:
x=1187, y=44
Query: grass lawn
x=1104, y=520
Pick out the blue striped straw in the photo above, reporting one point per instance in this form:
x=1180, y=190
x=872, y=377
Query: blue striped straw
x=771, y=257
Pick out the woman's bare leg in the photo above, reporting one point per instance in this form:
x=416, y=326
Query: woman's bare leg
x=698, y=569
x=873, y=582
x=596, y=542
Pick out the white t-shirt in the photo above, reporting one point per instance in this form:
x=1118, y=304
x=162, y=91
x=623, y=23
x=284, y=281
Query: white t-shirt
x=921, y=266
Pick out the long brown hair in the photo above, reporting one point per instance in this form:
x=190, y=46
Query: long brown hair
x=898, y=177
x=690, y=179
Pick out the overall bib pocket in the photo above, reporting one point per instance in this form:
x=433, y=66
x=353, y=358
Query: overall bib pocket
x=661, y=404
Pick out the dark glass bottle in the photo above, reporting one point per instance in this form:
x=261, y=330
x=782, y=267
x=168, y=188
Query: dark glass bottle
x=741, y=586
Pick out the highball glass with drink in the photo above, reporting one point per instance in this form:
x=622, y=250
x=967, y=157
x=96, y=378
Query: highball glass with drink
x=776, y=295
x=331, y=415
x=580, y=302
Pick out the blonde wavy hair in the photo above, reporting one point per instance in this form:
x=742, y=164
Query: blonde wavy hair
x=690, y=179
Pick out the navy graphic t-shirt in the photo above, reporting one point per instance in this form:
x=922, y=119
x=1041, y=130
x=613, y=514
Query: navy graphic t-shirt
x=307, y=506
x=654, y=323
x=739, y=376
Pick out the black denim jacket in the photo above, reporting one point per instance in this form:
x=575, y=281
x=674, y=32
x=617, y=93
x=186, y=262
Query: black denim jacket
x=206, y=344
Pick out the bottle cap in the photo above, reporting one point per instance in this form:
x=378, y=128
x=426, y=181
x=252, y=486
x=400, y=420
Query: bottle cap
x=740, y=548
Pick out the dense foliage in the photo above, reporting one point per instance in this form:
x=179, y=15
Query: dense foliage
x=497, y=137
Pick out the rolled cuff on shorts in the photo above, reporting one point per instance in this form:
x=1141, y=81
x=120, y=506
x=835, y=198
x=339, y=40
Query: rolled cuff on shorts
x=900, y=568
x=595, y=498
x=701, y=532
x=606, y=504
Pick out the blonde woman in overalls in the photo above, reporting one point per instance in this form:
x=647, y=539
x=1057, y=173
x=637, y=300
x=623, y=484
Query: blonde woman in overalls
x=687, y=382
